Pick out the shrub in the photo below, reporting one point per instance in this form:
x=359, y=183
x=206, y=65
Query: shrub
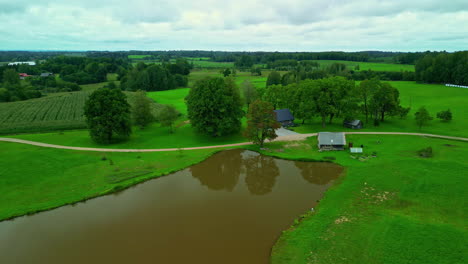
x=445, y=115
x=425, y=153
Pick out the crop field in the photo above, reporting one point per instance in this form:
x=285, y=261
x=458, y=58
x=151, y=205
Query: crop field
x=61, y=111
x=374, y=66
x=53, y=112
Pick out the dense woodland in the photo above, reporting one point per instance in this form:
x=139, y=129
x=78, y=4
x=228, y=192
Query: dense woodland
x=443, y=68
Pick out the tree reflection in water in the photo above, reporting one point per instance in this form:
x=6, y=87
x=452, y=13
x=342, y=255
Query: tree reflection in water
x=319, y=173
x=260, y=173
x=220, y=172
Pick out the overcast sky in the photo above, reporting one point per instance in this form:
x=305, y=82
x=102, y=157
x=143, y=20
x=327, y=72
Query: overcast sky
x=267, y=25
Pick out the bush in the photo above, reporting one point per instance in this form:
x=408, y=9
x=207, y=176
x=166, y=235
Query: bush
x=445, y=115
x=425, y=153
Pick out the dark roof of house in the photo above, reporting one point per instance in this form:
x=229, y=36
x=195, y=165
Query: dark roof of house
x=353, y=122
x=46, y=74
x=283, y=115
x=330, y=138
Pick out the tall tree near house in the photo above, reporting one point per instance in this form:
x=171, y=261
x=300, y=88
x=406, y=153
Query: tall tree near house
x=365, y=91
x=107, y=114
x=261, y=122
x=250, y=93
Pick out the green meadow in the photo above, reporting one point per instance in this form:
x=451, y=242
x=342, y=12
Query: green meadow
x=138, y=57
x=395, y=207
x=364, y=66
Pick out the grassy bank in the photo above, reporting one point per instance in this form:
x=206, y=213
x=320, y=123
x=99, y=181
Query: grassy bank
x=392, y=208
x=54, y=177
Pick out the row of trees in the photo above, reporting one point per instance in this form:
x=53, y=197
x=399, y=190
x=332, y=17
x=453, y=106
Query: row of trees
x=443, y=68
x=155, y=77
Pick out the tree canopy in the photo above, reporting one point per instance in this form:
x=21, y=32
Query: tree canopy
x=261, y=122
x=214, y=106
x=107, y=114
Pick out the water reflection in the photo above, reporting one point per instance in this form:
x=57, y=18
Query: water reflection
x=220, y=174
x=319, y=173
x=261, y=172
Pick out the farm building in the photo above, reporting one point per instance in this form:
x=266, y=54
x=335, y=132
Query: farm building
x=354, y=124
x=46, y=74
x=284, y=117
x=23, y=76
x=331, y=141
x=30, y=63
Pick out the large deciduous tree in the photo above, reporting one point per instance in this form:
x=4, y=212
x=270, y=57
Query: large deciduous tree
x=250, y=93
x=261, y=122
x=214, y=106
x=107, y=114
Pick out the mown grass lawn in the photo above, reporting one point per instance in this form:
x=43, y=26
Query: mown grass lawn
x=34, y=178
x=393, y=208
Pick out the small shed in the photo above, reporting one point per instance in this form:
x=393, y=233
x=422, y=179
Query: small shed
x=354, y=124
x=284, y=117
x=46, y=74
x=331, y=140
x=355, y=150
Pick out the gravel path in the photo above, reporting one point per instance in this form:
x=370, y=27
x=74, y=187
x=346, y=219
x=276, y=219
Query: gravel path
x=281, y=138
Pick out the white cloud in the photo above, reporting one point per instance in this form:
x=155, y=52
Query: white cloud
x=308, y=25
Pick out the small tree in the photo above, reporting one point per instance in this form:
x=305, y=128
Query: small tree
x=107, y=113
x=422, y=117
x=227, y=72
x=167, y=116
x=141, y=111
x=261, y=122
x=250, y=93
x=445, y=115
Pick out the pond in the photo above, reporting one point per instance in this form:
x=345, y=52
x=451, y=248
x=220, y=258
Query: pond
x=230, y=208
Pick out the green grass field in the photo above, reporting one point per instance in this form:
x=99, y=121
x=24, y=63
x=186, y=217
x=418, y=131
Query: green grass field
x=375, y=66
x=56, y=177
x=392, y=208
x=138, y=57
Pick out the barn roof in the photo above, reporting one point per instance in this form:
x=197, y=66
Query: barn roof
x=330, y=138
x=283, y=115
x=353, y=122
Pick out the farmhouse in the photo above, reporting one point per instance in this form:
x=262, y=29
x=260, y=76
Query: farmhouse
x=31, y=63
x=354, y=124
x=284, y=117
x=331, y=141
x=23, y=76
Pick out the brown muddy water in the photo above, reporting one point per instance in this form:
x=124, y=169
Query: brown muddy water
x=230, y=208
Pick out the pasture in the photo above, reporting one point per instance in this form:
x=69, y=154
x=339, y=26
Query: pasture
x=138, y=57
x=395, y=207
x=363, y=66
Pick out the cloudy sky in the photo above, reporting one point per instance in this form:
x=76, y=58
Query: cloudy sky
x=267, y=25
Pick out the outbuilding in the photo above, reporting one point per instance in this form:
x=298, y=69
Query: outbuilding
x=331, y=140
x=354, y=124
x=284, y=117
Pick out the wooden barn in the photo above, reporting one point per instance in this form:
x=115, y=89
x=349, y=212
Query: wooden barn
x=331, y=141
x=354, y=124
x=284, y=117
